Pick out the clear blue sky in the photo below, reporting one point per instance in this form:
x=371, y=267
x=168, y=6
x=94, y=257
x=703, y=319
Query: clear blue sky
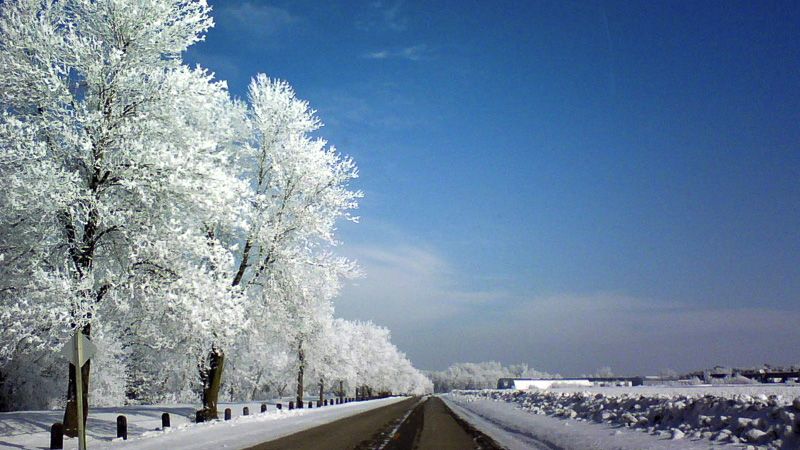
x=571, y=184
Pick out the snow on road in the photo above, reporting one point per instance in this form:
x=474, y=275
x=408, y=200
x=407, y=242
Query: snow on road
x=517, y=429
x=30, y=429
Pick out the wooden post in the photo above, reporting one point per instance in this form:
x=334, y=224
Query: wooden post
x=165, y=421
x=263, y=407
x=246, y=411
x=122, y=428
x=70, y=421
x=310, y=405
x=227, y=414
x=79, y=389
x=57, y=436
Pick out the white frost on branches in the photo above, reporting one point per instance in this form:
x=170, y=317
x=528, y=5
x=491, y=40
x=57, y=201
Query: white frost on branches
x=141, y=203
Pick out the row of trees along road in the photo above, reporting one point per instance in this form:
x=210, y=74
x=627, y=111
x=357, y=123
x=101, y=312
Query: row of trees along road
x=188, y=233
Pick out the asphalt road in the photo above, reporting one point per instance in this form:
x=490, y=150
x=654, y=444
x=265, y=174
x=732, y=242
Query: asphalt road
x=411, y=424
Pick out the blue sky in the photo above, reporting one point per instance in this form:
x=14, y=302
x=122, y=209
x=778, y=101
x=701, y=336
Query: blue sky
x=571, y=184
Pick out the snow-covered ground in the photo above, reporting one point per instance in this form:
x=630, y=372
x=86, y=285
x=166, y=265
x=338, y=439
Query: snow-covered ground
x=671, y=417
x=788, y=391
x=517, y=429
x=31, y=429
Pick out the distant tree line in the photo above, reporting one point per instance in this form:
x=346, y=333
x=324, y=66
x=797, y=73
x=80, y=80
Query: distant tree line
x=482, y=375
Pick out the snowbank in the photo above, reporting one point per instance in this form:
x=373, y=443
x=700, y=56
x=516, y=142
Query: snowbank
x=516, y=429
x=757, y=415
x=30, y=429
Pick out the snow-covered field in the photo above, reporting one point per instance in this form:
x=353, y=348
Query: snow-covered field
x=518, y=429
x=31, y=429
x=683, y=417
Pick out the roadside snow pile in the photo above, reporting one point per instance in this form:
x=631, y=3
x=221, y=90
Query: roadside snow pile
x=760, y=420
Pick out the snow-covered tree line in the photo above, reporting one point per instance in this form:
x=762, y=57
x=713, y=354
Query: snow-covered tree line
x=190, y=235
x=482, y=375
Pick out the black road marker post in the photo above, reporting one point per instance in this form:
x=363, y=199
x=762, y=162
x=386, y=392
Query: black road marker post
x=57, y=435
x=122, y=428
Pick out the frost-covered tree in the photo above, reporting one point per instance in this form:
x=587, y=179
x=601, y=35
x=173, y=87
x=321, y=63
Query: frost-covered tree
x=377, y=365
x=300, y=191
x=183, y=231
x=482, y=375
x=114, y=159
x=302, y=297
x=335, y=360
x=603, y=372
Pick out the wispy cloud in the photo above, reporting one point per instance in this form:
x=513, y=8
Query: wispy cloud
x=383, y=54
x=412, y=53
x=407, y=285
x=383, y=15
x=437, y=318
x=248, y=25
x=255, y=18
x=577, y=332
x=368, y=106
x=415, y=53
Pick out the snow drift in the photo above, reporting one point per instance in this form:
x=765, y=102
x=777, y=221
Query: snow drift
x=724, y=416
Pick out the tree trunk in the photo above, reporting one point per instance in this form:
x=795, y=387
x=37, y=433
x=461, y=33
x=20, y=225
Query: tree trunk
x=341, y=391
x=256, y=385
x=212, y=380
x=280, y=389
x=301, y=357
x=71, y=411
x=321, y=390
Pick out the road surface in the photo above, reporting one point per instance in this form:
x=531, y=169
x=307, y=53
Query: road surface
x=415, y=423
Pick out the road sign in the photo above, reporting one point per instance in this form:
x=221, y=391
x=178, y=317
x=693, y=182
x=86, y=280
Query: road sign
x=88, y=350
